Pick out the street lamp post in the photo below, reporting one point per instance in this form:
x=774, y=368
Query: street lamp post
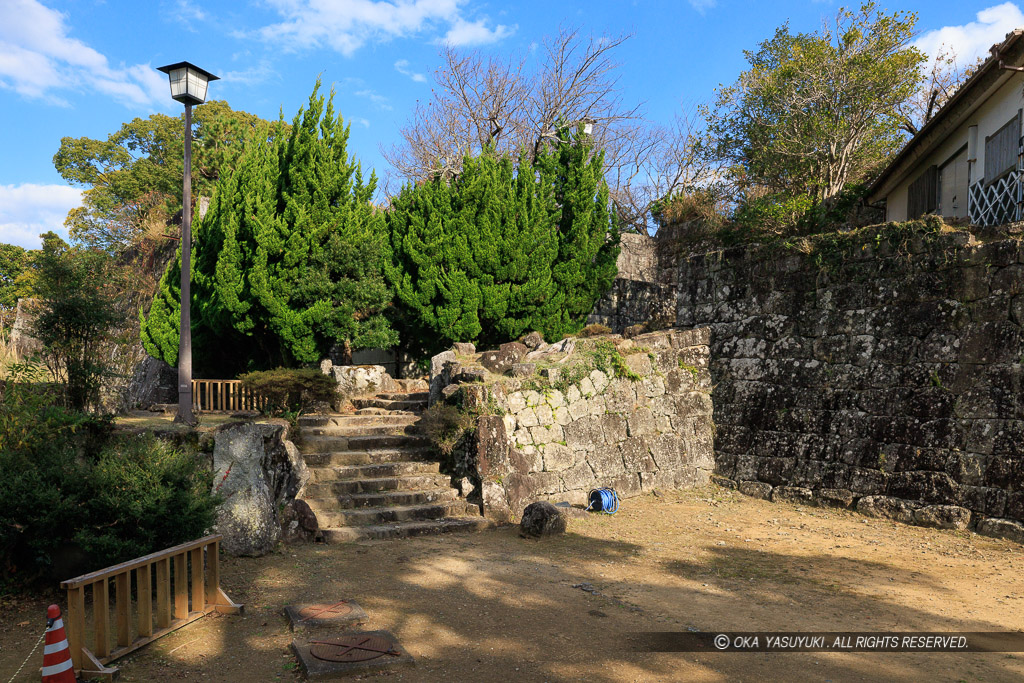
x=188, y=86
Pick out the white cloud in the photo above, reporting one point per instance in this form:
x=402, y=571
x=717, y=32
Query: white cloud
x=973, y=40
x=28, y=210
x=38, y=59
x=253, y=75
x=402, y=67
x=466, y=34
x=365, y=123
x=188, y=11
x=380, y=101
x=703, y=6
x=347, y=25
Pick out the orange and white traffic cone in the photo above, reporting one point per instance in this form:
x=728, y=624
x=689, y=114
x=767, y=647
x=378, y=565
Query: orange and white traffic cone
x=57, y=666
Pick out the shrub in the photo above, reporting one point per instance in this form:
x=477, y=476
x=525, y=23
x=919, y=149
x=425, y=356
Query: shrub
x=595, y=330
x=72, y=488
x=691, y=215
x=446, y=426
x=146, y=495
x=290, y=390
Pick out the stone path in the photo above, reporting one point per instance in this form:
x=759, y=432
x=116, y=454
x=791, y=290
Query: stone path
x=371, y=474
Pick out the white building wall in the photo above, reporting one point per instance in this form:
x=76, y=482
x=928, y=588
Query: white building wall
x=990, y=116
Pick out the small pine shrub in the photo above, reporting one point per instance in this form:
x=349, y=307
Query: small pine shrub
x=290, y=391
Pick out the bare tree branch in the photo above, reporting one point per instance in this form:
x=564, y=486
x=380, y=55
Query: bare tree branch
x=497, y=102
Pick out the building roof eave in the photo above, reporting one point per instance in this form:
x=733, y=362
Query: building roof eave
x=989, y=77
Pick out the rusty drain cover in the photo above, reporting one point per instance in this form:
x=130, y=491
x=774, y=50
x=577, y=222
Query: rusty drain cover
x=352, y=648
x=325, y=610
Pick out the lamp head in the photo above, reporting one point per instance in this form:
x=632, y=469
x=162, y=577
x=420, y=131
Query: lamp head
x=188, y=82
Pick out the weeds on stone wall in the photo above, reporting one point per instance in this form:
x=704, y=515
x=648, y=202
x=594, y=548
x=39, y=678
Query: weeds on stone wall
x=446, y=426
x=830, y=251
x=600, y=355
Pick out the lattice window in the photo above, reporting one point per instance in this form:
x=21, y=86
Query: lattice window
x=1002, y=201
x=998, y=203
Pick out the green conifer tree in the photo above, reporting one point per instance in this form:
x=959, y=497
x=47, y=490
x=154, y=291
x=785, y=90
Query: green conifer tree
x=588, y=239
x=286, y=262
x=502, y=249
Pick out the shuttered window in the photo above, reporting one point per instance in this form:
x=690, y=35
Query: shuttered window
x=1001, y=150
x=921, y=196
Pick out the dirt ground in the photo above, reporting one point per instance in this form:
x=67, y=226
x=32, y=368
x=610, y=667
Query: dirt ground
x=495, y=607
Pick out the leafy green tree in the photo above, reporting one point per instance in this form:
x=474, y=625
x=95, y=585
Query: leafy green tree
x=502, y=249
x=14, y=261
x=78, y=310
x=817, y=111
x=132, y=179
x=287, y=262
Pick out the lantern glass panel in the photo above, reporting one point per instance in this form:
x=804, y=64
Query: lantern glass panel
x=178, y=82
x=196, y=85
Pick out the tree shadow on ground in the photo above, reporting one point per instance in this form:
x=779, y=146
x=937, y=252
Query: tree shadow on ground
x=493, y=606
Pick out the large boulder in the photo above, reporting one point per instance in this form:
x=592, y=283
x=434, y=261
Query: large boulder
x=440, y=374
x=507, y=355
x=299, y=523
x=257, y=471
x=887, y=507
x=533, y=340
x=354, y=380
x=542, y=519
x=153, y=382
x=1002, y=528
x=548, y=351
x=943, y=517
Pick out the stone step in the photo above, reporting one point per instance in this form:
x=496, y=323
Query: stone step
x=417, y=396
x=396, y=513
x=330, y=444
x=330, y=502
x=361, y=430
x=416, y=482
x=414, y=406
x=383, y=411
x=367, y=457
x=349, y=534
x=368, y=419
x=372, y=470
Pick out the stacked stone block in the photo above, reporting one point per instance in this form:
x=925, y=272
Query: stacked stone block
x=634, y=435
x=892, y=381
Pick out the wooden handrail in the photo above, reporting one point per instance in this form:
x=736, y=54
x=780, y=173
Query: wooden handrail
x=197, y=560
x=137, y=562
x=224, y=395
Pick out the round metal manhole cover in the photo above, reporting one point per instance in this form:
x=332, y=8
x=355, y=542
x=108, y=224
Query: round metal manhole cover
x=352, y=648
x=325, y=610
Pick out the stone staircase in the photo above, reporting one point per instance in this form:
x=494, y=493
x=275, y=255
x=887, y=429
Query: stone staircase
x=371, y=475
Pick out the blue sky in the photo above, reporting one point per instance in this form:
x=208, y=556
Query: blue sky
x=82, y=67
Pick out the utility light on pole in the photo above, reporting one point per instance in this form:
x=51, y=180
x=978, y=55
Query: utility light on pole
x=188, y=86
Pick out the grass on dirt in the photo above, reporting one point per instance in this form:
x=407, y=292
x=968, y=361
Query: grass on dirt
x=143, y=420
x=493, y=606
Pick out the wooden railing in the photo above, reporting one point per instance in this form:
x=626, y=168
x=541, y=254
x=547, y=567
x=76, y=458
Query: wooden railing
x=223, y=395
x=173, y=568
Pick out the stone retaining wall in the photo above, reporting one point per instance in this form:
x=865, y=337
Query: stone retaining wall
x=882, y=372
x=651, y=429
x=639, y=293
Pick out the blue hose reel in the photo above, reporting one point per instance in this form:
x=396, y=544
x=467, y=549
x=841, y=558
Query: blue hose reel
x=604, y=500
